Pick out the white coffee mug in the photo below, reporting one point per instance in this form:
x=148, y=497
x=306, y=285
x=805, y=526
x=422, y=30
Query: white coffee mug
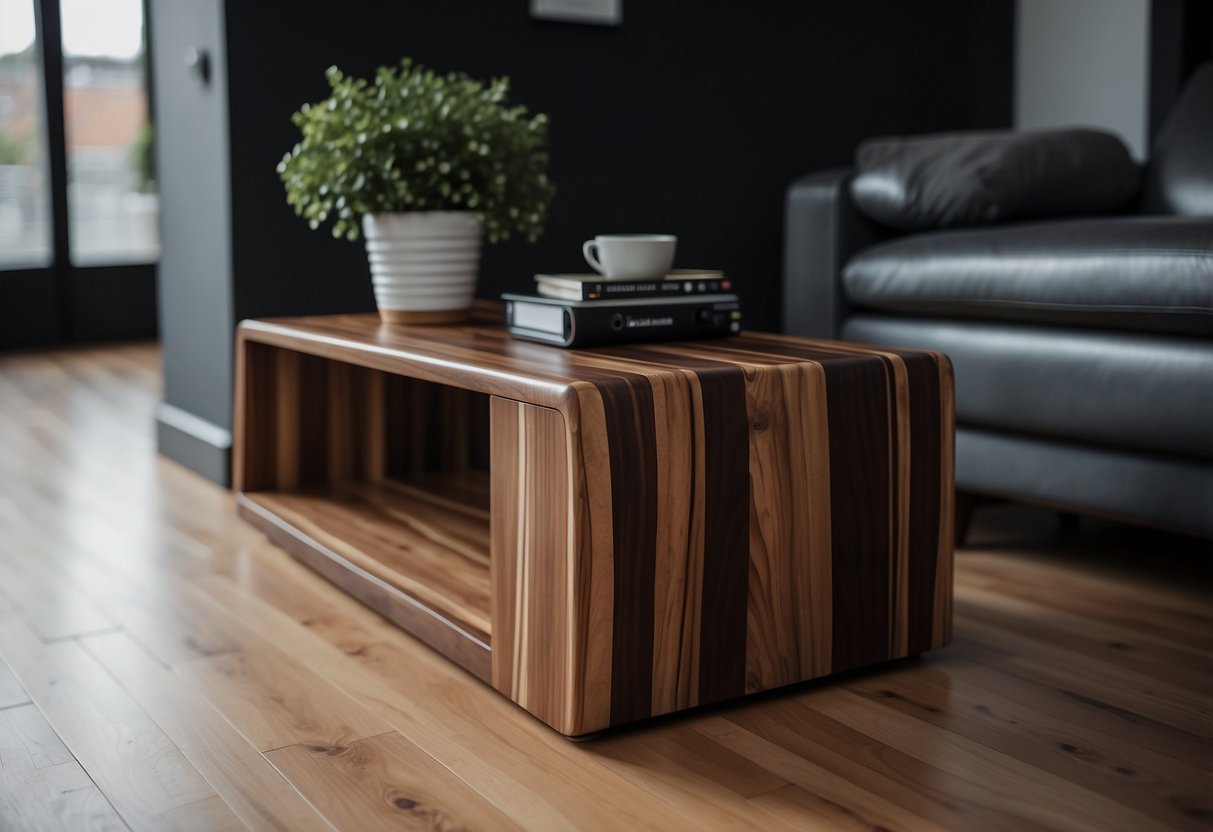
x=631, y=256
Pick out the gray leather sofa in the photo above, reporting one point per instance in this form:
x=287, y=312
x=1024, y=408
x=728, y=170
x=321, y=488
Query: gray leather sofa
x=1083, y=346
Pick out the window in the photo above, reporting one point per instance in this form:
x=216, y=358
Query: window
x=78, y=208
x=25, y=230
x=111, y=191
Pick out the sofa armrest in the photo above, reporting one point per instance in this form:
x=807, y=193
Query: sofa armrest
x=822, y=229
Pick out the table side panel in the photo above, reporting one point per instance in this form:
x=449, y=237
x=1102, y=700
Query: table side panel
x=533, y=659
x=922, y=438
x=790, y=607
x=592, y=571
x=678, y=559
x=843, y=486
x=941, y=630
x=919, y=465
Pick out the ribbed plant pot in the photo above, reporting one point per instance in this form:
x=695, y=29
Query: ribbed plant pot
x=423, y=264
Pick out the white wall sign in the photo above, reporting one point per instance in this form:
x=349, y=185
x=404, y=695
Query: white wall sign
x=606, y=12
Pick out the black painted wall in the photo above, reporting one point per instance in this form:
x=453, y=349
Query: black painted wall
x=1181, y=39
x=690, y=118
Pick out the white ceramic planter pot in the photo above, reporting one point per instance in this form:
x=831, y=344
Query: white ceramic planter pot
x=423, y=264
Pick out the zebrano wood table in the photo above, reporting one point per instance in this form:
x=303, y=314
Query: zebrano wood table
x=607, y=535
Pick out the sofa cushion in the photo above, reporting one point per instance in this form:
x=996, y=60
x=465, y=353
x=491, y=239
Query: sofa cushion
x=959, y=179
x=1137, y=391
x=1143, y=273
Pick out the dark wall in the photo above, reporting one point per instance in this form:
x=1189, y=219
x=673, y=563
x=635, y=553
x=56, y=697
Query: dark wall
x=1181, y=39
x=691, y=118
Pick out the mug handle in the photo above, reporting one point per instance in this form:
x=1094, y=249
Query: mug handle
x=588, y=250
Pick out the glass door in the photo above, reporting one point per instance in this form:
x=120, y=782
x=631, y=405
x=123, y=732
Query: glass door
x=78, y=205
x=25, y=227
x=112, y=206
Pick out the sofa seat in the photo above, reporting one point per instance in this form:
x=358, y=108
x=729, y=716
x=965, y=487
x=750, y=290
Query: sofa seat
x=1119, y=390
x=1082, y=347
x=1174, y=492
x=1142, y=273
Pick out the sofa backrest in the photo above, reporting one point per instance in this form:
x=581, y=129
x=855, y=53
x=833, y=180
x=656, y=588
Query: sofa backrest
x=1179, y=175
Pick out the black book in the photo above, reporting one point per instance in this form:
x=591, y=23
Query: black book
x=587, y=323
x=593, y=287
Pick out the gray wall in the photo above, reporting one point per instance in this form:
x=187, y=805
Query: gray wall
x=1084, y=63
x=195, y=287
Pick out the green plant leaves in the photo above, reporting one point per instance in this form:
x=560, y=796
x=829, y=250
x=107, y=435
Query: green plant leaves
x=411, y=139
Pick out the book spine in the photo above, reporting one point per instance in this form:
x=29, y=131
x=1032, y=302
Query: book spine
x=589, y=325
x=619, y=290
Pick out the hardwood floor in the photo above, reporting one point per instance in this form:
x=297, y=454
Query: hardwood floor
x=165, y=667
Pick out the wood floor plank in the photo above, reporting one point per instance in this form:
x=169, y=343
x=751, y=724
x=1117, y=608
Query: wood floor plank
x=814, y=794
x=170, y=630
x=1148, y=696
x=481, y=737
x=1111, y=643
x=1090, y=718
x=1170, y=618
x=1089, y=579
x=1006, y=780
x=919, y=787
x=1151, y=783
x=53, y=610
x=42, y=787
x=256, y=793
x=209, y=813
x=138, y=768
x=803, y=809
x=11, y=692
x=135, y=597
x=60, y=798
x=702, y=779
x=1167, y=691
x=275, y=701
x=27, y=742
x=385, y=782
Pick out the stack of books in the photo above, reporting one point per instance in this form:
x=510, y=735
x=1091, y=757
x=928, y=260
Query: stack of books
x=577, y=310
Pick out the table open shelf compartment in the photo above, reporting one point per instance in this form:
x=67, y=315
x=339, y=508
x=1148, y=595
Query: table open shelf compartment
x=380, y=482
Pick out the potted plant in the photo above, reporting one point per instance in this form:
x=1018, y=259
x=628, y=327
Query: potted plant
x=423, y=165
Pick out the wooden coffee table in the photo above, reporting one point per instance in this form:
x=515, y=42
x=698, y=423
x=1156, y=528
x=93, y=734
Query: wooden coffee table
x=607, y=535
